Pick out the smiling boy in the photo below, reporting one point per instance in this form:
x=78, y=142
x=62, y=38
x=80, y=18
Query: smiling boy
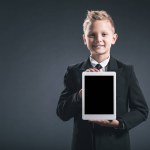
x=99, y=35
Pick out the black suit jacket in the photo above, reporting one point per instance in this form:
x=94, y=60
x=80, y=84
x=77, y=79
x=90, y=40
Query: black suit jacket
x=130, y=103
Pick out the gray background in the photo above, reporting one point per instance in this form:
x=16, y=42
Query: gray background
x=38, y=40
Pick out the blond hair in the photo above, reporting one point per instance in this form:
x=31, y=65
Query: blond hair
x=97, y=15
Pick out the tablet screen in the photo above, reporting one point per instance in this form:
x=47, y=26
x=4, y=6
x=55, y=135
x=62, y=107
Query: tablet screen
x=99, y=95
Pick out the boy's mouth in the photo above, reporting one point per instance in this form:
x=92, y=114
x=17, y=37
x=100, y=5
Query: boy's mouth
x=98, y=46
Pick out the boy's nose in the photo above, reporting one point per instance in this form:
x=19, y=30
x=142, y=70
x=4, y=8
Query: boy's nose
x=98, y=38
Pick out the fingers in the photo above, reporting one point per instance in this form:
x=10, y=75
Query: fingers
x=92, y=70
x=101, y=122
x=114, y=123
x=104, y=123
x=107, y=123
x=80, y=93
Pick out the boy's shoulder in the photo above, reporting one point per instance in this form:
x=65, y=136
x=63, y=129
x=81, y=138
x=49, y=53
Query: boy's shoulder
x=77, y=65
x=122, y=64
x=126, y=68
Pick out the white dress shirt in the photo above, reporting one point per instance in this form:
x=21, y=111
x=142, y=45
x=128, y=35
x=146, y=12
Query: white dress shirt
x=103, y=63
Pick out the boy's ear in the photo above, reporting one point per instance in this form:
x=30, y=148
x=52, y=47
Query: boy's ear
x=84, y=40
x=115, y=37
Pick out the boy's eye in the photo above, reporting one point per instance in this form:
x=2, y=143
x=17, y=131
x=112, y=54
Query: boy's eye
x=91, y=35
x=104, y=34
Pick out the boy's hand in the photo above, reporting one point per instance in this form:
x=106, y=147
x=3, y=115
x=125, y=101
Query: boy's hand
x=80, y=93
x=92, y=70
x=107, y=123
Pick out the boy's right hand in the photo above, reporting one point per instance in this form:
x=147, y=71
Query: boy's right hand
x=92, y=70
x=80, y=93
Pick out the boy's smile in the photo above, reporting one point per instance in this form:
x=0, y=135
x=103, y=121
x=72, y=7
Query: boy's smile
x=99, y=37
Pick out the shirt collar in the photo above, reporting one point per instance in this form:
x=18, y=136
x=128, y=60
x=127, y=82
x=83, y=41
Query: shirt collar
x=103, y=63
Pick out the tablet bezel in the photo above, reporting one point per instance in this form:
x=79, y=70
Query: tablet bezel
x=99, y=116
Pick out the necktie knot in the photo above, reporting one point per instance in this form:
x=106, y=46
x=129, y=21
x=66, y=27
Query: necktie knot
x=98, y=66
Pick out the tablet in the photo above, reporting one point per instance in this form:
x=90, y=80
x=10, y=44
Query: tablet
x=98, y=95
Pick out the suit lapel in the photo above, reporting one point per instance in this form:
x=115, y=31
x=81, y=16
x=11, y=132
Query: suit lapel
x=86, y=65
x=112, y=65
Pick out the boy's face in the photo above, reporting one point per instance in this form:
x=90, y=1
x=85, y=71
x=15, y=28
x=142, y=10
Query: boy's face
x=99, y=36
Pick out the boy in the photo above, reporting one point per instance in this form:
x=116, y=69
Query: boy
x=99, y=35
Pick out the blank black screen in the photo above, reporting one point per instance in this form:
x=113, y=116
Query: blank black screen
x=99, y=94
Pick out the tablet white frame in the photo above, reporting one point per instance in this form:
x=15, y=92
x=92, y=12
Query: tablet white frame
x=98, y=116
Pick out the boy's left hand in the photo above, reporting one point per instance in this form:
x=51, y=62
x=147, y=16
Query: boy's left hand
x=107, y=123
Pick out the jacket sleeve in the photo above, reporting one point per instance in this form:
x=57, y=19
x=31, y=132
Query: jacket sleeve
x=69, y=103
x=138, y=108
